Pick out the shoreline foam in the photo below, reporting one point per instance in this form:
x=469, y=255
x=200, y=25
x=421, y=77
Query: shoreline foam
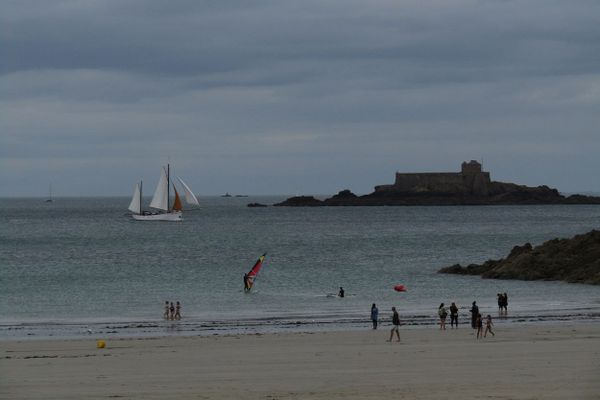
x=57, y=330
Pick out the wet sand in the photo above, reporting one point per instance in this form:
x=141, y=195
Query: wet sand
x=557, y=361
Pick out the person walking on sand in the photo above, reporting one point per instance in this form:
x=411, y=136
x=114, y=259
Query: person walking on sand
x=178, y=311
x=474, y=311
x=479, y=323
x=374, y=315
x=396, y=325
x=453, y=316
x=171, y=312
x=166, y=314
x=443, y=313
x=488, y=326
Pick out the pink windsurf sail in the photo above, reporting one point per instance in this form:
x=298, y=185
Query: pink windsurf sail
x=251, y=276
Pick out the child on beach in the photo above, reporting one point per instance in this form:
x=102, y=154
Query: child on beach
x=443, y=313
x=479, y=325
x=488, y=326
x=178, y=311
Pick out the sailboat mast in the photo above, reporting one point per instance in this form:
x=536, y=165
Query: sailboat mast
x=168, y=185
x=141, y=197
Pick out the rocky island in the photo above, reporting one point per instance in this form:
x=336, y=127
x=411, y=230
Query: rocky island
x=575, y=260
x=470, y=186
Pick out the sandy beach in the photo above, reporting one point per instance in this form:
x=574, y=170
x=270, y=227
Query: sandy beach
x=520, y=362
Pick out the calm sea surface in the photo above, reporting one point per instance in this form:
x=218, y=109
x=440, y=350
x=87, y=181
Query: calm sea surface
x=81, y=265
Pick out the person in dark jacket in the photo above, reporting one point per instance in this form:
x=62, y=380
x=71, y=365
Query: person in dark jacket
x=474, y=311
x=396, y=325
x=453, y=315
x=374, y=315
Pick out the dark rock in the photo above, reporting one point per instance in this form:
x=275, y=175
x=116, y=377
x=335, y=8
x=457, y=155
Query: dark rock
x=341, y=199
x=300, y=201
x=575, y=260
x=256, y=205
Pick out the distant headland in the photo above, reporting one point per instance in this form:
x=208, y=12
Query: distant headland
x=575, y=260
x=470, y=186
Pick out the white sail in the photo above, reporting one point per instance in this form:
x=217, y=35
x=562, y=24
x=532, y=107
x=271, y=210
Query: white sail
x=134, y=206
x=190, y=197
x=160, y=199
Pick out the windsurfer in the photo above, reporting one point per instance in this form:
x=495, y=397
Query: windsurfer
x=247, y=284
x=250, y=276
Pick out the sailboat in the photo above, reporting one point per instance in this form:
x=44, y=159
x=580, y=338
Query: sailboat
x=49, y=199
x=161, y=200
x=251, y=276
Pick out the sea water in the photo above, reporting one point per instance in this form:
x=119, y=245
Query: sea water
x=82, y=265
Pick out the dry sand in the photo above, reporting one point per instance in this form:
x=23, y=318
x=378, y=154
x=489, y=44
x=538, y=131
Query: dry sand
x=520, y=362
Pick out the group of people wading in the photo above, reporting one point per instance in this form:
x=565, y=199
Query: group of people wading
x=172, y=311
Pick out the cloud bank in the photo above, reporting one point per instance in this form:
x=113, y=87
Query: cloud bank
x=279, y=97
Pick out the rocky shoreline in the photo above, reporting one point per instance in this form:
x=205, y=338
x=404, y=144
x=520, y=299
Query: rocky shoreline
x=519, y=196
x=575, y=260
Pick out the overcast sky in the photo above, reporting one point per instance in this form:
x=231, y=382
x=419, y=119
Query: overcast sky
x=286, y=97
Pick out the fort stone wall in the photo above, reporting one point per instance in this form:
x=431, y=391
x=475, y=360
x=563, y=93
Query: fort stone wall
x=470, y=181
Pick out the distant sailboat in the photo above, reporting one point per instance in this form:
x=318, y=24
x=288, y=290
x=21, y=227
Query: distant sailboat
x=161, y=200
x=49, y=199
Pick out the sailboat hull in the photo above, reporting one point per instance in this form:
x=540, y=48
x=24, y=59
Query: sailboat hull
x=171, y=216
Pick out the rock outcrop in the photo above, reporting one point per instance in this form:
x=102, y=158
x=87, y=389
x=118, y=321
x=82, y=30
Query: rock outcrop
x=253, y=205
x=575, y=260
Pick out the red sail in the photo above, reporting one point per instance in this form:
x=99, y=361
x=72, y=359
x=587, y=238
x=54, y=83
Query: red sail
x=177, y=203
x=250, y=276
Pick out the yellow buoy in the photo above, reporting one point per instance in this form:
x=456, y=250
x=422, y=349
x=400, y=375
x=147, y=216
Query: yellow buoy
x=100, y=344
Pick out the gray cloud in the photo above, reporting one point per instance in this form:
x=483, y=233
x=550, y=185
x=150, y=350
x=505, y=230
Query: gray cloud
x=286, y=97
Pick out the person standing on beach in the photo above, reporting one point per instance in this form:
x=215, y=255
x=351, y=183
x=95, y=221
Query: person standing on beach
x=374, y=315
x=396, y=325
x=453, y=315
x=479, y=324
x=500, y=303
x=341, y=292
x=443, y=313
x=474, y=311
x=171, y=311
x=178, y=311
x=488, y=326
x=505, y=303
x=166, y=315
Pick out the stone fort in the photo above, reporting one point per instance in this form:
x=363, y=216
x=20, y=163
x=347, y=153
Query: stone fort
x=471, y=180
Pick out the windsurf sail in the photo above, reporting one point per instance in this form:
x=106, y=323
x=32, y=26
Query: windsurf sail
x=251, y=276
